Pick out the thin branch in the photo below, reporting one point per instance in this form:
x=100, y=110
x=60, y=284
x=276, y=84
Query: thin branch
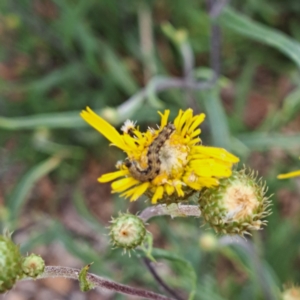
x=146, y=39
x=217, y=7
x=174, y=210
x=188, y=67
x=159, y=280
x=97, y=281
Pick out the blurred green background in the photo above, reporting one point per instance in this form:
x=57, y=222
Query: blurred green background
x=59, y=56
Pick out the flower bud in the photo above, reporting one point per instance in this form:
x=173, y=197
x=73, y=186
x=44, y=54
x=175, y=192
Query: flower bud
x=33, y=265
x=10, y=263
x=237, y=205
x=127, y=231
x=208, y=242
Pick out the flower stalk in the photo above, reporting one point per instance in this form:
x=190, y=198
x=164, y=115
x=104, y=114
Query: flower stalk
x=173, y=210
x=97, y=281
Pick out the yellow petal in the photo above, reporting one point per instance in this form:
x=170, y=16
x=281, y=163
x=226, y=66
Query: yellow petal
x=104, y=128
x=158, y=194
x=187, y=125
x=130, y=142
x=178, y=188
x=128, y=193
x=200, y=118
x=289, y=175
x=123, y=184
x=113, y=175
x=194, y=141
x=177, y=119
x=164, y=118
x=139, y=191
x=208, y=181
x=186, y=115
x=209, y=168
x=194, y=185
x=219, y=153
x=169, y=189
x=195, y=133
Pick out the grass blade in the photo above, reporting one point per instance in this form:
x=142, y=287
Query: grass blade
x=217, y=119
x=265, y=141
x=19, y=194
x=261, y=33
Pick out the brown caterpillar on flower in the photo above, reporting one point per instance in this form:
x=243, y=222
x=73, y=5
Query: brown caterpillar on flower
x=154, y=162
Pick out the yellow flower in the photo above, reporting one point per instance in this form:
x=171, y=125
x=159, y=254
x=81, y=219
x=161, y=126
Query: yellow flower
x=169, y=163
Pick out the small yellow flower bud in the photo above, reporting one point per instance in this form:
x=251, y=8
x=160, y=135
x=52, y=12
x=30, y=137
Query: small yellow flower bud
x=127, y=231
x=237, y=205
x=208, y=242
x=110, y=114
x=33, y=265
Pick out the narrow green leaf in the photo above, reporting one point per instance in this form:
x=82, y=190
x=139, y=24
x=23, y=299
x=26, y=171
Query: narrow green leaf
x=44, y=236
x=51, y=120
x=78, y=247
x=261, y=33
x=84, y=213
x=118, y=70
x=289, y=109
x=217, y=118
x=20, y=193
x=69, y=119
x=265, y=141
x=75, y=71
x=243, y=86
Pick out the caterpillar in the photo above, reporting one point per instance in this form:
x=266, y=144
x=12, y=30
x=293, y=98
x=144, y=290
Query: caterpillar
x=154, y=162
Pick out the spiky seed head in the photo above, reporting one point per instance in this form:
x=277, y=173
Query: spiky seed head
x=10, y=263
x=237, y=206
x=291, y=293
x=127, y=231
x=33, y=265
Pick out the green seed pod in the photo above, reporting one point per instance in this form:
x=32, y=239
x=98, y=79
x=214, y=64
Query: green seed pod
x=127, y=231
x=237, y=205
x=33, y=265
x=10, y=263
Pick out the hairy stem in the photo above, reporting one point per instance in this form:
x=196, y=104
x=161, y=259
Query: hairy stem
x=173, y=210
x=159, y=280
x=97, y=281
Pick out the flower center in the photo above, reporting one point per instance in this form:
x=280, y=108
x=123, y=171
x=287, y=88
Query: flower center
x=173, y=157
x=240, y=201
